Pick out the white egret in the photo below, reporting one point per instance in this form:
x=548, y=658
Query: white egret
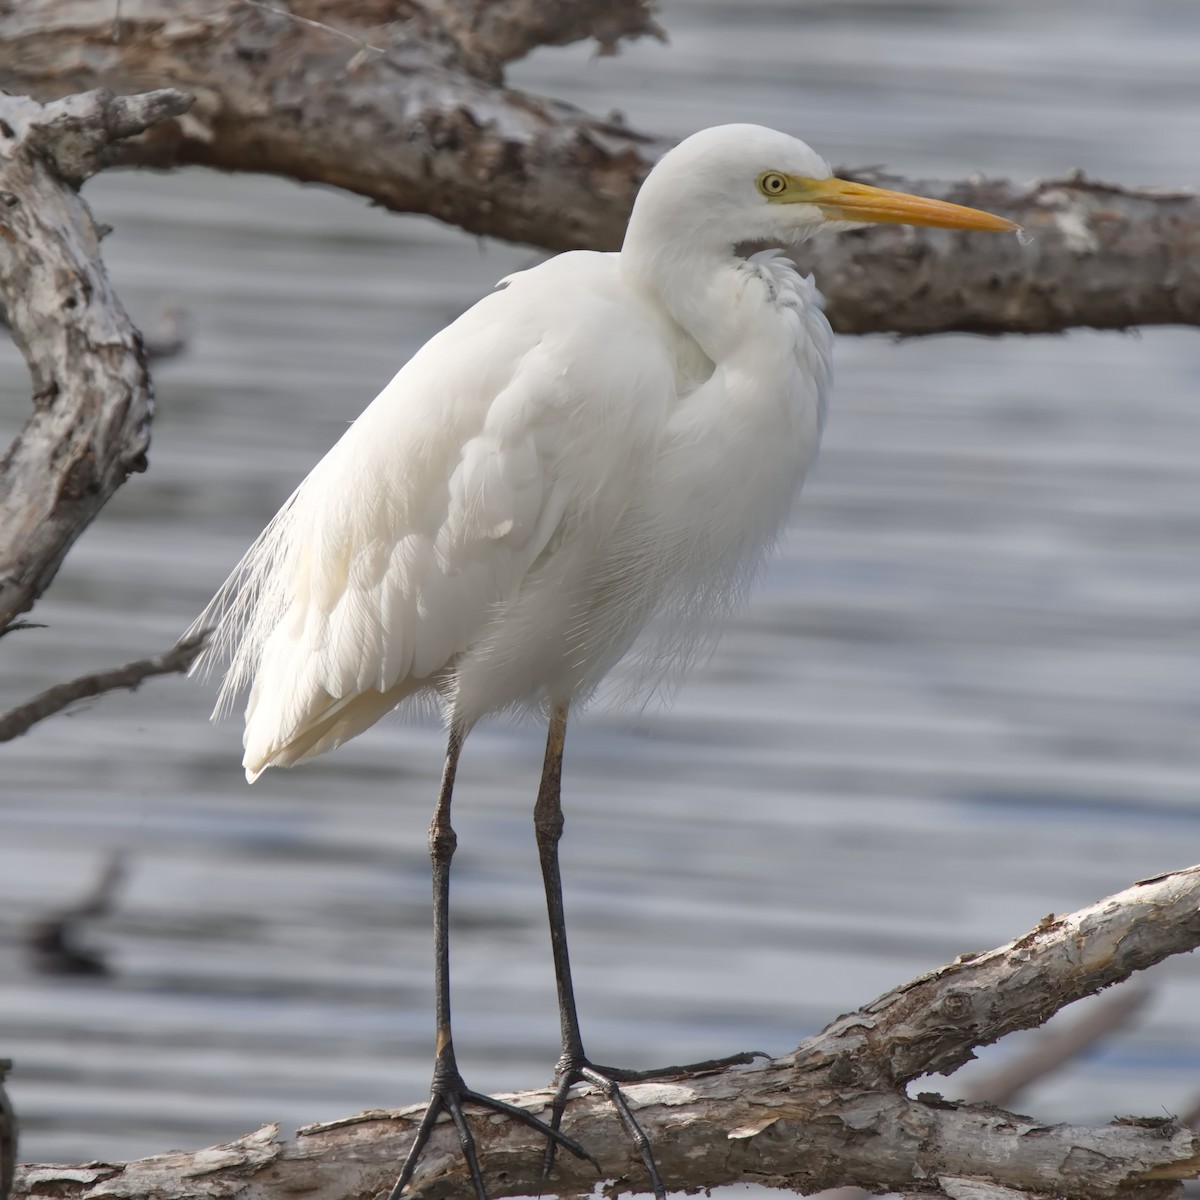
x=607, y=439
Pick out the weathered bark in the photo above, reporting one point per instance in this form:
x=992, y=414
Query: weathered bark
x=422, y=127
x=834, y=1112
x=1051, y=1050
x=405, y=103
x=91, y=392
x=504, y=30
x=1094, y=254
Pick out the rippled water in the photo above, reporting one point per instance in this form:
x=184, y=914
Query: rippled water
x=967, y=694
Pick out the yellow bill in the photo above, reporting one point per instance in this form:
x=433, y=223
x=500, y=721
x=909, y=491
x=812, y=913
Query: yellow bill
x=842, y=200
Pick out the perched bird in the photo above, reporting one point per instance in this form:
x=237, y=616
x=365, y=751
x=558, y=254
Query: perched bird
x=608, y=444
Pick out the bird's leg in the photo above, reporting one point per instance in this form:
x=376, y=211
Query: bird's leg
x=447, y=1090
x=548, y=827
x=573, y=1065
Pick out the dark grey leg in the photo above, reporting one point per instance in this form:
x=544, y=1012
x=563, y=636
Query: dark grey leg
x=573, y=1066
x=448, y=1091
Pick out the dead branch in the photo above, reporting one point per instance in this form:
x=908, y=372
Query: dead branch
x=175, y=661
x=424, y=127
x=1099, y=255
x=504, y=30
x=1051, y=1050
x=91, y=393
x=1047, y=1054
x=834, y=1112
x=405, y=103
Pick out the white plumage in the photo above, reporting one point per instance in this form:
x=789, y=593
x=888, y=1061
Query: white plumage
x=606, y=439
x=609, y=443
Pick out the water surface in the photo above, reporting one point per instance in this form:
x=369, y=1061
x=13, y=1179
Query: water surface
x=966, y=695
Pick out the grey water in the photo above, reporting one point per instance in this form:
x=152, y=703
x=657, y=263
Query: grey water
x=966, y=695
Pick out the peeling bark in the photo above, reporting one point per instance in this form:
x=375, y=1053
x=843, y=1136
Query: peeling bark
x=504, y=30
x=423, y=126
x=834, y=1112
x=405, y=103
x=91, y=393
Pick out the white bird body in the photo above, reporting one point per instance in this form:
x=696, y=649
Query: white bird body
x=606, y=439
x=609, y=439
x=522, y=497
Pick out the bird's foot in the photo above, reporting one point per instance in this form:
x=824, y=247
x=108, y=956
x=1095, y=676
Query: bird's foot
x=571, y=1071
x=448, y=1095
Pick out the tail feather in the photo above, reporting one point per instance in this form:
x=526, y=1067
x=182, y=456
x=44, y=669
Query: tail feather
x=328, y=726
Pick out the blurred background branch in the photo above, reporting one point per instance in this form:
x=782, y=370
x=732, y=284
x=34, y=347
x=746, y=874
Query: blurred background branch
x=53, y=940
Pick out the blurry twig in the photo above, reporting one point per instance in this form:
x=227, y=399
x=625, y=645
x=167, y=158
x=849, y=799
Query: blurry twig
x=52, y=941
x=178, y=659
x=1054, y=1048
x=13, y=626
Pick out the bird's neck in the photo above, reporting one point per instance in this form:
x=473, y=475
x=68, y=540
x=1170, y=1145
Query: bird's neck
x=693, y=279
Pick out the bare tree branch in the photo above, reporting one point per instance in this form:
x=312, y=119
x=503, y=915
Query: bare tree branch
x=425, y=128
x=428, y=126
x=508, y=29
x=834, y=1112
x=1052, y=1049
x=91, y=393
x=1049, y=1051
x=175, y=661
x=1096, y=254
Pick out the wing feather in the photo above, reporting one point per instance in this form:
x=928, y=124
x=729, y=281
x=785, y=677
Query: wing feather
x=418, y=531
x=388, y=559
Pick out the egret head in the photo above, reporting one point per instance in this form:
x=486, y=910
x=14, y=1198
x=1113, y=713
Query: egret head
x=742, y=183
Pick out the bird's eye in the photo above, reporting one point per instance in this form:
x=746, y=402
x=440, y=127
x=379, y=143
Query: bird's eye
x=772, y=184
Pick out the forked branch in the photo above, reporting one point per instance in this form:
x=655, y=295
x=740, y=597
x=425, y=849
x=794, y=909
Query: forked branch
x=834, y=1112
x=89, y=429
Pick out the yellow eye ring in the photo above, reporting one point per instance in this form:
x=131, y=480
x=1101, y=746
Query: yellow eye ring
x=772, y=184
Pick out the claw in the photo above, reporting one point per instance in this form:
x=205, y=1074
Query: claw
x=451, y=1100
x=562, y=1088
x=636, y=1133
x=603, y=1079
x=607, y=1079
